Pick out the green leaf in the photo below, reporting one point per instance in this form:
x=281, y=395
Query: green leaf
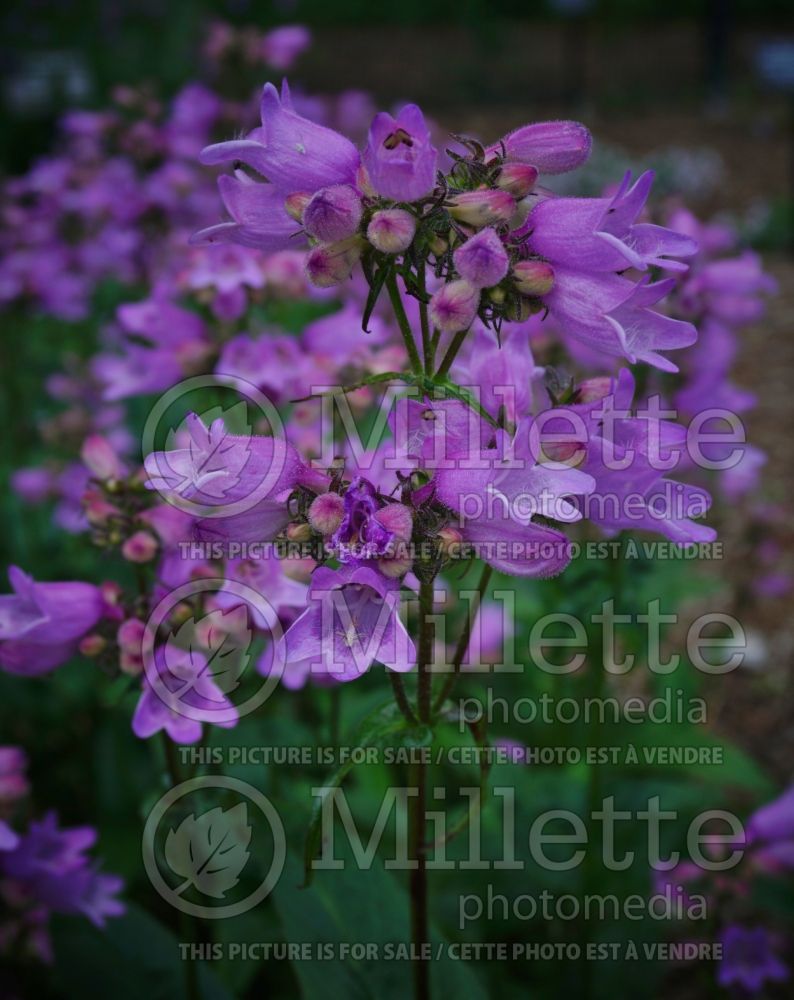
x=360, y=908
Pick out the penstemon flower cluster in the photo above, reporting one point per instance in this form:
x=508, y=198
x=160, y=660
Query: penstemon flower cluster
x=449, y=294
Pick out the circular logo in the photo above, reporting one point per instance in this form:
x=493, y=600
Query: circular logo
x=203, y=843
x=214, y=464
x=194, y=664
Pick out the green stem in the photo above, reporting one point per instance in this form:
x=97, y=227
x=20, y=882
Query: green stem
x=417, y=815
x=452, y=352
x=401, y=697
x=187, y=926
x=465, y=637
x=427, y=344
x=404, y=325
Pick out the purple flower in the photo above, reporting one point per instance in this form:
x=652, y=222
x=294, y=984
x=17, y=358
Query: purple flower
x=282, y=46
x=770, y=832
x=361, y=535
x=552, y=147
x=50, y=865
x=179, y=693
x=601, y=234
x=748, y=959
x=42, y=623
x=13, y=782
x=482, y=260
x=454, y=306
x=613, y=315
x=351, y=621
x=293, y=153
x=400, y=158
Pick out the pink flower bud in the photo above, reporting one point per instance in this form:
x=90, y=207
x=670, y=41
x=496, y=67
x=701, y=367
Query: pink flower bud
x=296, y=569
x=295, y=204
x=591, y=390
x=299, y=532
x=97, y=509
x=140, y=547
x=482, y=260
x=533, y=277
x=518, y=179
x=330, y=265
x=101, y=459
x=397, y=518
x=454, y=306
x=482, y=208
x=449, y=540
x=130, y=663
x=130, y=635
x=112, y=593
x=92, y=645
x=396, y=565
x=333, y=214
x=326, y=513
x=391, y=230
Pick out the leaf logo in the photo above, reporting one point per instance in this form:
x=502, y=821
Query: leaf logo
x=210, y=851
x=219, y=645
x=214, y=458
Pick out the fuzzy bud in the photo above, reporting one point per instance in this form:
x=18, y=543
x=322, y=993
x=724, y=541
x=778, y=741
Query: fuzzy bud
x=482, y=260
x=140, y=547
x=101, y=459
x=298, y=532
x=533, y=277
x=326, y=513
x=330, y=265
x=449, y=542
x=397, y=518
x=333, y=214
x=396, y=565
x=438, y=245
x=454, y=306
x=92, y=645
x=482, y=208
x=130, y=635
x=518, y=179
x=591, y=390
x=295, y=204
x=391, y=230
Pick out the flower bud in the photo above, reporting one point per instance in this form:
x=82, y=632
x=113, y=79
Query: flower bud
x=326, y=513
x=437, y=245
x=552, y=147
x=482, y=260
x=92, y=645
x=397, y=518
x=330, y=265
x=396, y=565
x=517, y=179
x=299, y=532
x=482, y=208
x=295, y=204
x=297, y=569
x=101, y=459
x=112, y=593
x=454, y=306
x=130, y=663
x=533, y=277
x=449, y=541
x=140, y=547
x=183, y=612
x=591, y=390
x=98, y=511
x=333, y=214
x=391, y=230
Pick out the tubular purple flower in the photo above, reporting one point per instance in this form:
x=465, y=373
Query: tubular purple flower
x=482, y=208
x=482, y=260
x=333, y=214
x=391, y=230
x=293, y=153
x=260, y=218
x=454, y=306
x=41, y=624
x=400, y=158
x=552, y=147
x=352, y=620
